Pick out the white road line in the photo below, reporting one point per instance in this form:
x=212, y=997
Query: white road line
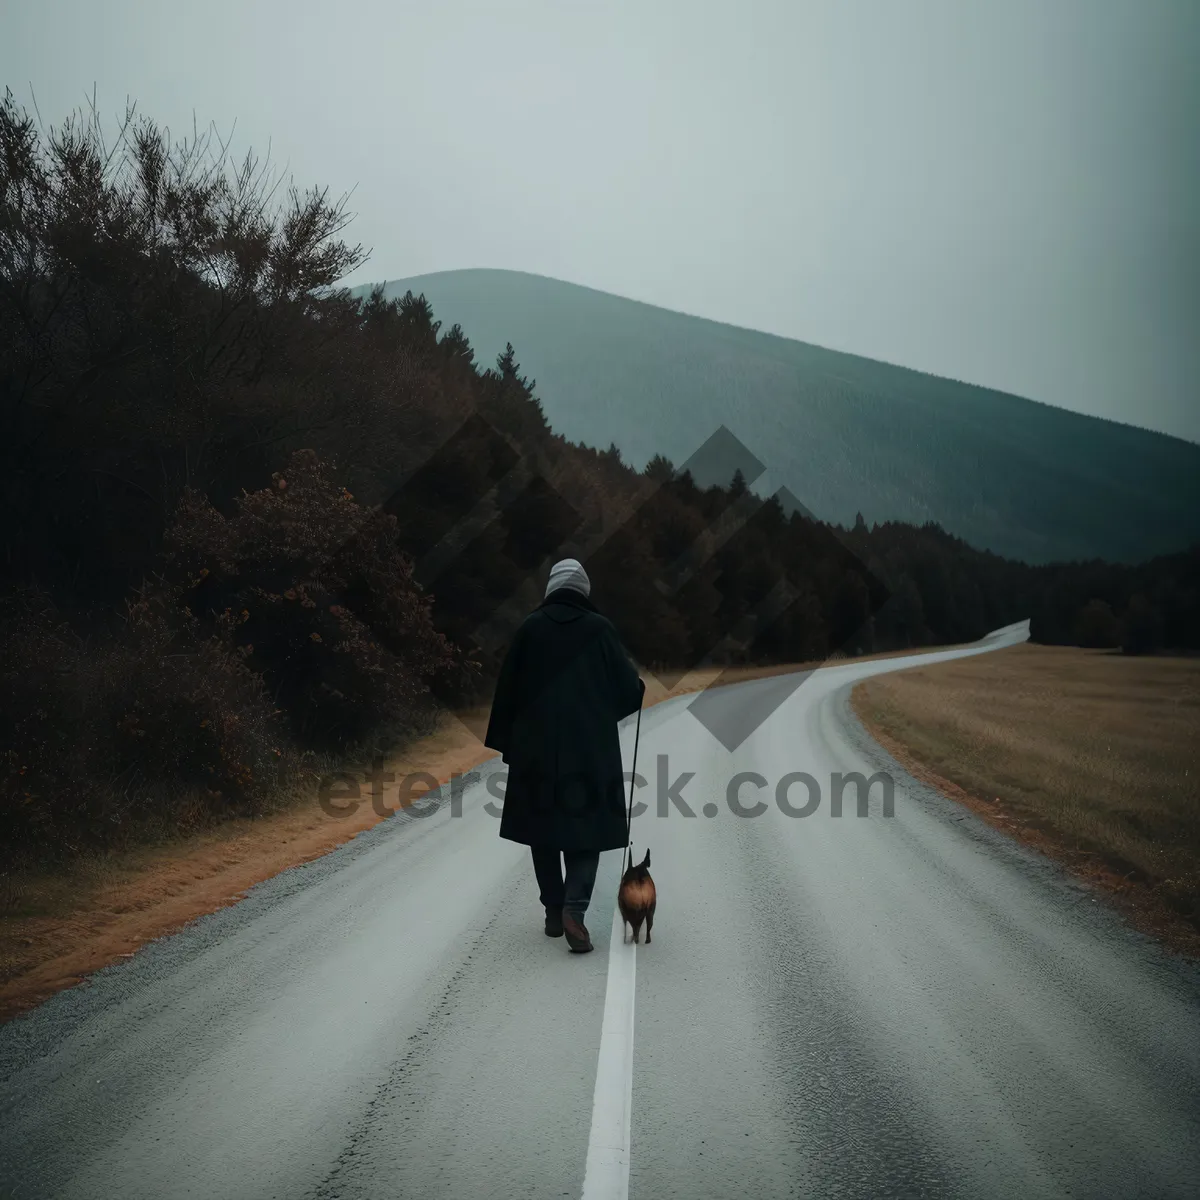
x=606, y=1176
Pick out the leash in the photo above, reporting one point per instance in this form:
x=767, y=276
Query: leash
x=632, y=776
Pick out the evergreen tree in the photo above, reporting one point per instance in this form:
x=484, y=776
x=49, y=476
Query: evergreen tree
x=456, y=347
x=417, y=324
x=660, y=469
x=509, y=370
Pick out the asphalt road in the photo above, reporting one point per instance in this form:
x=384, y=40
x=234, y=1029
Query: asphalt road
x=831, y=1006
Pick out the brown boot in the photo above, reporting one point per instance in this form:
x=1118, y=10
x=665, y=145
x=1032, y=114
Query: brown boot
x=578, y=937
x=554, y=922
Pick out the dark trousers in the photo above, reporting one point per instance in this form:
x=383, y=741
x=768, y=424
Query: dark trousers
x=575, y=891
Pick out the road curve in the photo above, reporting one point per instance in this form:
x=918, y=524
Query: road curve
x=854, y=1006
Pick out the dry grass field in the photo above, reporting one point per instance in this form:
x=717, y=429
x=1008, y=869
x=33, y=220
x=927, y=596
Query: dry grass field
x=1091, y=755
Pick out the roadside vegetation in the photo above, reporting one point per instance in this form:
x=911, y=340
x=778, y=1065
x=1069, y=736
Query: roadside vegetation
x=252, y=526
x=1093, y=755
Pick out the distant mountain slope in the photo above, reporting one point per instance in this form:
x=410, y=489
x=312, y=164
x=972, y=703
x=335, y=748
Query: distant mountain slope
x=843, y=433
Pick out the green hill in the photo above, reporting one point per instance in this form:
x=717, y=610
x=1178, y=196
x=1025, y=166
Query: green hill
x=843, y=433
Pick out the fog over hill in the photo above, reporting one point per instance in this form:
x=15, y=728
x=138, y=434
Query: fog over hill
x=844, y=434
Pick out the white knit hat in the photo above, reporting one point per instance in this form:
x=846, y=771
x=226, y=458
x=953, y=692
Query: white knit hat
x=569, y=573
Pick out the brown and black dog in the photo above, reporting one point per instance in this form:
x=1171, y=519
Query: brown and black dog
x=637, y=897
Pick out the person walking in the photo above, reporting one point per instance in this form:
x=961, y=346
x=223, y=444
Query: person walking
x=564, y=684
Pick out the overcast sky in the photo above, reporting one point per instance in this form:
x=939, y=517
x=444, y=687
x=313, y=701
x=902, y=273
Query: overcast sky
x=1002, y=191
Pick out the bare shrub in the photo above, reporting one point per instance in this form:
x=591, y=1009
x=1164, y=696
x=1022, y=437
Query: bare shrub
x=149, y=730
x=311, y=589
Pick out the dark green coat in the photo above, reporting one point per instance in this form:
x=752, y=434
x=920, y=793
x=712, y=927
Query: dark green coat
x=564, y=684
